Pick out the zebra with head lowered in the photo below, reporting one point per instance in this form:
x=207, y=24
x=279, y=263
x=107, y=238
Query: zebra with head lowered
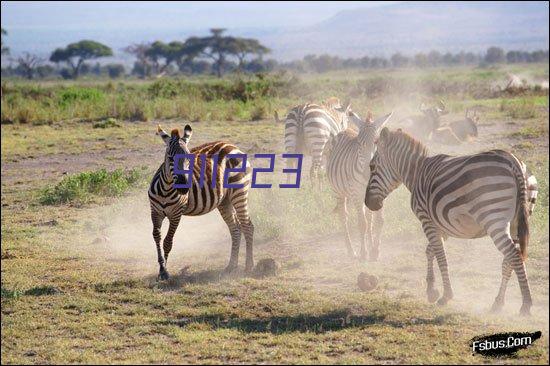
x=348, y=157
x=465, y=197
x=309, y=126
x=170, y=202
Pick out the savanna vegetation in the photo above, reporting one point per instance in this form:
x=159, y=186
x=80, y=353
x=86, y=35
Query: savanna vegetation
x=79, y=264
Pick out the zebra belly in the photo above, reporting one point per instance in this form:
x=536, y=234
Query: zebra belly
x=463, y=226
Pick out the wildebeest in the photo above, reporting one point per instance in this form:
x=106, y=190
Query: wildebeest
x=422, y=127
x=458, y=131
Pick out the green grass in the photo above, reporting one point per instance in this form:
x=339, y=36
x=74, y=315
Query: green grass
x=242, y=99
x=67, y=297
x=520, y=109
x=84, y=187
x=108, y=123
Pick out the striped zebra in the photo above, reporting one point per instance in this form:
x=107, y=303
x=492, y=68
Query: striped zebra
x=465, y=197
x=348, y=156
x=309, y=126
x=170, y=202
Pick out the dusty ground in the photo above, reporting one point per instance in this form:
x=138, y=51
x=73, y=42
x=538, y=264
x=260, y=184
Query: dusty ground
x=110, y=308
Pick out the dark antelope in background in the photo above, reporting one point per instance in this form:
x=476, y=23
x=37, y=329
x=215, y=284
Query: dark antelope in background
x=457, y=132
x=170, y=202
x=471, y=196
x=422, y=127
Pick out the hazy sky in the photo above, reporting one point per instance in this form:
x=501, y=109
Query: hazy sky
x=83, y=15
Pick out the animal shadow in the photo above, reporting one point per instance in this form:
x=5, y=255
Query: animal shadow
x=330, y=321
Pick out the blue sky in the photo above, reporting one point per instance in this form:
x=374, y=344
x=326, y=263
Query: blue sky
x=82, y=15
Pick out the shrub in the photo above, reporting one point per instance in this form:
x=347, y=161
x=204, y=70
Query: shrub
x=83, y=187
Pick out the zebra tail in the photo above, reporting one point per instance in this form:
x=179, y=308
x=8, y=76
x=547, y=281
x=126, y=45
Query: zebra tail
x=523, y=230
x=523, y=214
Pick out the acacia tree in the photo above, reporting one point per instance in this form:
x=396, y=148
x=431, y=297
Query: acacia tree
x=75, y=54
x=242, y=47
x=143, y=65
x=28, y=64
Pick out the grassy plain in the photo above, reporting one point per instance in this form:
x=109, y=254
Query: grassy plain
x=79, y=272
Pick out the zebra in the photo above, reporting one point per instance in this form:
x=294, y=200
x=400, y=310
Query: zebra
x=469, y=196
x=309, y=126
x=169, y=202
x=348, y=156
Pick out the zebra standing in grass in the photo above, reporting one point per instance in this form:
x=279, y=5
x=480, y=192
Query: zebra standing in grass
x=348, y=157
x=466, y=197
x=309, y=126
x=170, y=202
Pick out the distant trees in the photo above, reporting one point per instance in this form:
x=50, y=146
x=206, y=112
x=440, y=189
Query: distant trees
x=495, y=55
x=115, y=70
x=28, y=64
x=218, y=53
x=190, y=55
x=5, y=50
x=75, y=54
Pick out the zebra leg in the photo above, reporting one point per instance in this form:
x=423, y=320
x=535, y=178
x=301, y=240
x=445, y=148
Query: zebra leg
x=364, y=221
x=504, y=243
x=240, y=202
x=290, y=164
x=157, y=223
x=228, y=214
x=378, y=222
x=344, y=220
x=506, y=274
x=436, y=249
x=168, y=240
x=431, y=292
x=315, y=171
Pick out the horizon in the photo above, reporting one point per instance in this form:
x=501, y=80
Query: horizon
x=291, y=29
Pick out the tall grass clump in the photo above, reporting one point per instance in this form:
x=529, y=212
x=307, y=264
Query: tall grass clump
x=85, y=187
x=522, y=108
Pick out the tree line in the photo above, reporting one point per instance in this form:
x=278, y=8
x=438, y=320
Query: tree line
x=219, y=54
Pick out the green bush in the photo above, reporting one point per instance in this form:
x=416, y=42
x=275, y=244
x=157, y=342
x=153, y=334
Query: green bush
x=71, y=95
x=523, y=108
x=109, y=122
x=84, y=187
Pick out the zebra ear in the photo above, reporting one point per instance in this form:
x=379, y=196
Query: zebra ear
x=165, y=137
x=187, y=132
x=384, y=134
x=347, y=107
x=380, y=122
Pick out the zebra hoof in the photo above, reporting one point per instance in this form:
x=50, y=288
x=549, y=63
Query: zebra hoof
x=163, y=275
x=433, y=295
x=497, y=306
x=525, y=310
x=443, y=300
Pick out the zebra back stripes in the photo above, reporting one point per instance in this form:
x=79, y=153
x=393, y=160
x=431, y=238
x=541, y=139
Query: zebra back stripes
x=309, y=126
x=166, y=201
x=466, y=196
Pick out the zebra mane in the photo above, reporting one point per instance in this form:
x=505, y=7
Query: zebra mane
x=400, y=137
x=331, y=106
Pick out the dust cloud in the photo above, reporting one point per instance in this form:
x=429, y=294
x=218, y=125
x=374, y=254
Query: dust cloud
x=204, y=242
